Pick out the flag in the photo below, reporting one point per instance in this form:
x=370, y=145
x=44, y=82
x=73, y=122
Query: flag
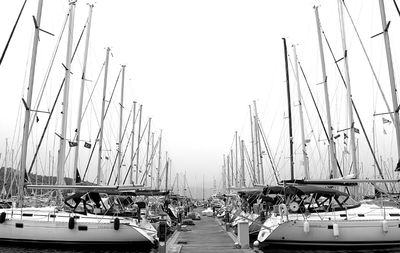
x=385, y=121
x=87, y=145
x=78, y=177
x=337, y=136
x=107, y=158
x=72, y=144
x=307, y=141
x=345, y=136
x=356, y=130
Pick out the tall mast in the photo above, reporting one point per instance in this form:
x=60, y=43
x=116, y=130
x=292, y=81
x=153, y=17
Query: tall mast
x=289, y=111
x=25, y=137
x=152, y=159
x=303, y=140
x=147, y=152
x=83, y=79
x=120, y=126
x=166, y=171
x=328, y=109
x=253, y=160
x=102, y=117
x=5, y=172
x=391, y=77
x=223, y=174
x=229, y=173
x=159, y=162
x=133, y=142
x=353, y=150
x=138, y=145
x=203, y=187
x=242, y=176
x=61, y=154
x=236, y=159
x=232, y=169
x=260, y=169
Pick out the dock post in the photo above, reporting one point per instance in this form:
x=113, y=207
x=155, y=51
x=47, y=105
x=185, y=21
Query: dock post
x=162, y=236
x=243, y=234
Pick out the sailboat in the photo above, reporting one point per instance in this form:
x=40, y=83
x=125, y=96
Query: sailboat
x=84, y=219
x=306, y=215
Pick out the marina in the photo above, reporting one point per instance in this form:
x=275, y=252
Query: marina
x=199, y=126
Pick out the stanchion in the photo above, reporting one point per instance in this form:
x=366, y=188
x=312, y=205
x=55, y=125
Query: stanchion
x=243, y=234
x=162, y=236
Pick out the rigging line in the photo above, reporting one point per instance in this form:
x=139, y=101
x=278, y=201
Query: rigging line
x=397, y=7
x=249, y=165
x=369, y=62
x=355, y=109
x=12, y=33
x=98, y=133
x=116, y=157
x=134, y=155
x=52, y=109
x=271, y=160
x=87, y=105
x=319, y=115
x=44, y=84
x=153, y=153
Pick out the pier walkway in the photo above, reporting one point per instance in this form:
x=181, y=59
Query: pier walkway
x=206, y=236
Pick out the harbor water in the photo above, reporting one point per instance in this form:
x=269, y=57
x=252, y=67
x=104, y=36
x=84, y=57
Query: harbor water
x=12, y=249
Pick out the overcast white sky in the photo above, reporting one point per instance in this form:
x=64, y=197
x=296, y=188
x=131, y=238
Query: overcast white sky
x=196, y=66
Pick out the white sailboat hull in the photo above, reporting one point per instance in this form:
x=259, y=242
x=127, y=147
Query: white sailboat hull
x=53, y=228
x=365, y=226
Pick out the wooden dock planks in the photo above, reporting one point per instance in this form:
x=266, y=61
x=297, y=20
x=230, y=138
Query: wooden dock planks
x=206, y=236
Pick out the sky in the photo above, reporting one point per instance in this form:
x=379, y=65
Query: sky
x=196, y=66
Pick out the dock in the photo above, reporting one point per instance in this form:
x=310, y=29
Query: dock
x=207, y=235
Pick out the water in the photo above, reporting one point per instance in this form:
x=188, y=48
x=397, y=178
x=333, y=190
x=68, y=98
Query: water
x=15, y=249
x=397, y=249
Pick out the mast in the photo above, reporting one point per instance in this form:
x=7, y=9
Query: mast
x=353, y=150
x=120, y=126
x=243, y=178
x=289, y=111
x=159, y=162
x=253, y=160
x=203, y=187
x=61, y=154
x=328, y=110
x=133, y=142
x=260, y=169
x=102, y=117
x=147, y=152
x=229, y=173
x=152, y=159
x=83, y=79
x=25, y=137
x=5, y=171
x=138, y=147
x=391, y=78
x=236, y=159
x=303, y=140
x=166, y=171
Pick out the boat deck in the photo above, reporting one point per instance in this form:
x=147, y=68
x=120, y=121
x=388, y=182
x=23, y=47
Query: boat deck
x=207, y=235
